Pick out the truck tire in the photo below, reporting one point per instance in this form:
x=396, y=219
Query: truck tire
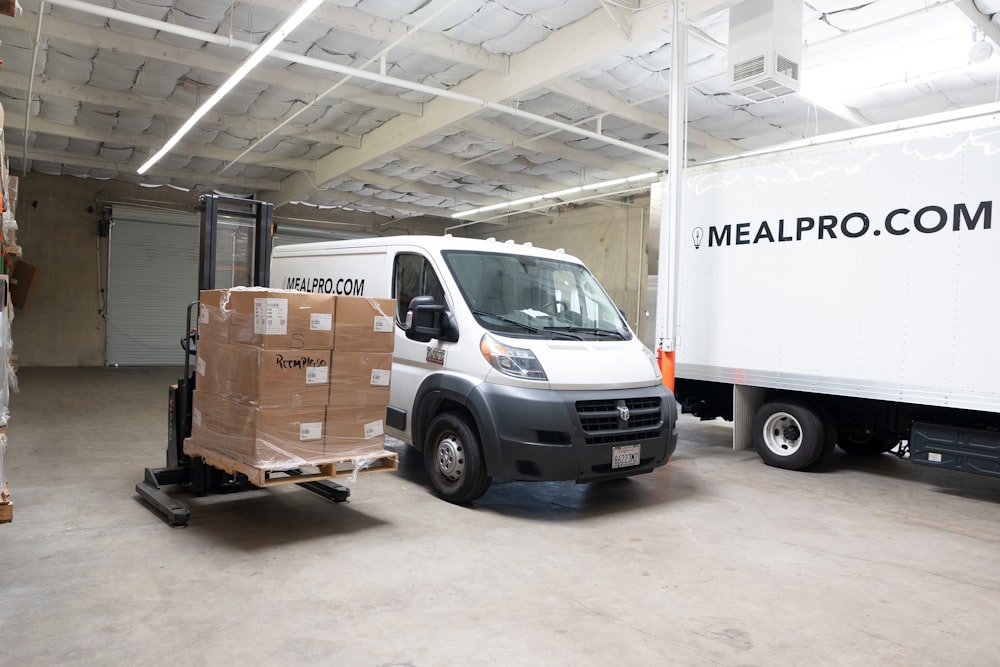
x=791, y=435
x=454, y=459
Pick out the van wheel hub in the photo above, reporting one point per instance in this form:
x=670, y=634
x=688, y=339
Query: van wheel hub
x=450, y=458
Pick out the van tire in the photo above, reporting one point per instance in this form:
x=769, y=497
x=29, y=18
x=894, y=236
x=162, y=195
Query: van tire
x=790, y=435
x=453, y=459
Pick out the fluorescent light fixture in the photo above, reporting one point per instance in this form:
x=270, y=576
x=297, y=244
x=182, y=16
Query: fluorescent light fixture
x=271, y=43
x=558, y=193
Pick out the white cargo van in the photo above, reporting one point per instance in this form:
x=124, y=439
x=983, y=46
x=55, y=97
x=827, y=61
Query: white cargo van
x=510, y=361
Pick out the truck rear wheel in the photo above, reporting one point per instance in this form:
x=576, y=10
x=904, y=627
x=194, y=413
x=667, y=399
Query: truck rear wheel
x=454, y=459
x=791, y=435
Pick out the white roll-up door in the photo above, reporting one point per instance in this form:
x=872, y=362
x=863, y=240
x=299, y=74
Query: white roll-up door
x=152, y=277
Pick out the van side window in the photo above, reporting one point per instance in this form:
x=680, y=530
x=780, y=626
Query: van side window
x=413, y=276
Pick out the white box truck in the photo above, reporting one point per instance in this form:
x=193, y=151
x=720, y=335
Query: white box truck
x=510, y=361
x=845, y=293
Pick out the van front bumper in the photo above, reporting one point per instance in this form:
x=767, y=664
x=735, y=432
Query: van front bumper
x=542, y=434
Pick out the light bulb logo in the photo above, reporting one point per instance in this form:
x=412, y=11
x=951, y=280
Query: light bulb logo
x=696, y=235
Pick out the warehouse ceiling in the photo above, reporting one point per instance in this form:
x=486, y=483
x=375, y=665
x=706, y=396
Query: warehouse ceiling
x=408, y=108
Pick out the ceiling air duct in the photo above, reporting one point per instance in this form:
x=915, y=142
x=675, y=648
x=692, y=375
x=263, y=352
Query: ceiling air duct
x=765, y=48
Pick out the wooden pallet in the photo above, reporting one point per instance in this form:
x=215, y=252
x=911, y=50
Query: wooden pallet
x=278, y=474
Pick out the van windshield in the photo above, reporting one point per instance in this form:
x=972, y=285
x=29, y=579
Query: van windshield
x=534, y=297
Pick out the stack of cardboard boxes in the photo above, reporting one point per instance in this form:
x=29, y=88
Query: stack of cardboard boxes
x=286, y=379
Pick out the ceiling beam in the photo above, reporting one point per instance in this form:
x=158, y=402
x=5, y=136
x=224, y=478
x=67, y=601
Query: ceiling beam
x=358, y=22
x=699, y=9
x=636, y=114
x=497, y=132
x=98, y=38
x=367, y=203
x=563, y=52
x=147, y=142
x=168, y=108
x=404, y=185
x=200, y=181
x=442, y=162
x=981, y=20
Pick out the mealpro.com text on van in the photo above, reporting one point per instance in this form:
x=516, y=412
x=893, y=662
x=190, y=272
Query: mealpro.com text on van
x=338, y=286
x=898, y=222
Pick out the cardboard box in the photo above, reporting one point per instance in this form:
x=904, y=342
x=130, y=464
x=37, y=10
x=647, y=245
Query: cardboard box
x=355, y=430
x=365, y=324
x=262, y=437
x=281, y=319
x=360, y=378
x=24, y=284
x=213, y=316
x=264, y=378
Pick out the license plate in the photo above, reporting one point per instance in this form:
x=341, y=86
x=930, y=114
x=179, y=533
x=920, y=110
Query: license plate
x=624, y=456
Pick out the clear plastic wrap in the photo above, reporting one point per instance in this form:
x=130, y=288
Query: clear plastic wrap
x=264, y=378
x=259, y=437
x=364, y=324
x=280, y=319
x=274, y=392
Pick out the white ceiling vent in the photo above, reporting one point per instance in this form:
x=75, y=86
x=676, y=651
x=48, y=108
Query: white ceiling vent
x=765, y=48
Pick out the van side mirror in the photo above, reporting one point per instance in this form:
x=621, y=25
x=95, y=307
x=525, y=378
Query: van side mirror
x=426, y=320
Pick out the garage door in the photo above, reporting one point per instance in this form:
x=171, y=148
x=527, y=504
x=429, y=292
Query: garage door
x=153, y=277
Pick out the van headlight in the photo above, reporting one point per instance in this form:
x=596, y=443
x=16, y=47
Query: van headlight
x=651, y=357
x=514, y=361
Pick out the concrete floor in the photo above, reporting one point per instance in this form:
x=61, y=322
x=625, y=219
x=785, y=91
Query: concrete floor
x=714, y=560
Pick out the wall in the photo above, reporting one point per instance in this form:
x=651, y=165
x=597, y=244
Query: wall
x=611, y=239
x=57, y=229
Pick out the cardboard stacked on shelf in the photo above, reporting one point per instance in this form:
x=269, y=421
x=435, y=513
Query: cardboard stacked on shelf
x=274, y=388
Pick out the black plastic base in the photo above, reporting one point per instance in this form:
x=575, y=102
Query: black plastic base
x=956, y=448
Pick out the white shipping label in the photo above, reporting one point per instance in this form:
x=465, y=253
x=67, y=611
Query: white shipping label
x=196, y=416
x=201, y=366
x=317, y=375
x=373, y=429
x=321, y=322
x=383, y=324
x=270, y=316
x=934, y=457
x=380, y=378
x=311, y=431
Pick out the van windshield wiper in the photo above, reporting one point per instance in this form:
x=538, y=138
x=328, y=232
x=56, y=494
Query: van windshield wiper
x=585, y=330
x=526, y=327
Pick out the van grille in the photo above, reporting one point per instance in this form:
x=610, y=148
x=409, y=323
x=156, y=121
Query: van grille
x=602, y=423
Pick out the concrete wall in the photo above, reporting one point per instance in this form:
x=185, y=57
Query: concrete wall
x=611, y=239
x=57, y=229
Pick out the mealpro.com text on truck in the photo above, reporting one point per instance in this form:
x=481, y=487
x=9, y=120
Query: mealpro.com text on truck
x=898, y=222
x=338, y=286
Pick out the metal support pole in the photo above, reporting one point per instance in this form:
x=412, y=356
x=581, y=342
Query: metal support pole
x=672, y=184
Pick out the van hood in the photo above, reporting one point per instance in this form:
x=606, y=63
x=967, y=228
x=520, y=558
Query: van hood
x=585, y=365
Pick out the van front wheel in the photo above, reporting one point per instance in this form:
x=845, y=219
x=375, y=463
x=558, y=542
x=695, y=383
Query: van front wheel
x=454, y=459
